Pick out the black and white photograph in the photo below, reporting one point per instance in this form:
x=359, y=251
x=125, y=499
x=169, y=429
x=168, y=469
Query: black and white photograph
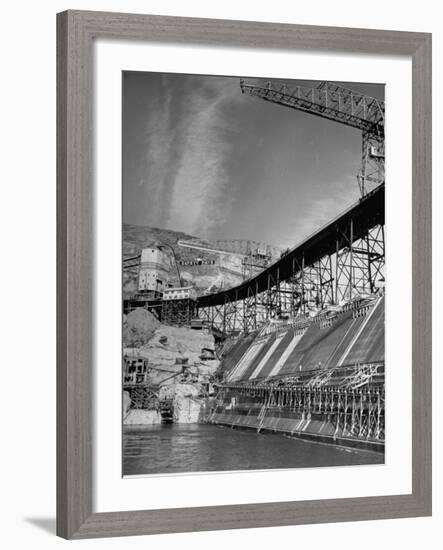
x=199, y=199
x=253, y=273
x=224, y=215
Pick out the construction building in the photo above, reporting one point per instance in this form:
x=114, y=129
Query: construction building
x=179, y=306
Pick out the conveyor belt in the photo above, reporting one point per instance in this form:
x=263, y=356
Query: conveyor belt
x=365, y=214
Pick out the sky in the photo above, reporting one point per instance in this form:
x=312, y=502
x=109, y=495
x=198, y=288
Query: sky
x=202, y=158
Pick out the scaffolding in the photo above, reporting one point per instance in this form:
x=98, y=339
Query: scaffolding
x=350, y=400
x=342, y=262
x=179, y=312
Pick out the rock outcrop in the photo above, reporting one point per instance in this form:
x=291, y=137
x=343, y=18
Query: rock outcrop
x=186, y=405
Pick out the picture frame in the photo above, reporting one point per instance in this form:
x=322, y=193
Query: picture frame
x=76, y=32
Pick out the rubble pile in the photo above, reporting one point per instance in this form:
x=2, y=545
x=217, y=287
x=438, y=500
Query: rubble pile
x=138, y=327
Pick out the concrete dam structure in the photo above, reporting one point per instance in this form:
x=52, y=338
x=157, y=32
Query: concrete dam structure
x=317, y=378
x=299, y=333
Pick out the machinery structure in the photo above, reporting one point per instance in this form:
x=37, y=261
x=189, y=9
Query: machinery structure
x=255, y=260
x=151, y=387
x=339, y=104
x=153, y=276
x=153, y=267
x=179, y=306
x=343, y=260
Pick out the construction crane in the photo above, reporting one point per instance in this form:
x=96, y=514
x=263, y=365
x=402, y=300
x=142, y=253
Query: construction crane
x=342, y=105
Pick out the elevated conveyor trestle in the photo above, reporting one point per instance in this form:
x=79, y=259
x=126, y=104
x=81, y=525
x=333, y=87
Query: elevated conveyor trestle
x=341, y=262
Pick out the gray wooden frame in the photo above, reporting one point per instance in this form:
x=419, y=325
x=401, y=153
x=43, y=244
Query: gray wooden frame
x=76, y=31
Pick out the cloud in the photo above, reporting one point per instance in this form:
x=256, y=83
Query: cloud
x=157, y=169
x=200, y=199
x=204, y=159
x=180, y=138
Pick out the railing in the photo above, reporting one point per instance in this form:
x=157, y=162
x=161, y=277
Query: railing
x=346, y=377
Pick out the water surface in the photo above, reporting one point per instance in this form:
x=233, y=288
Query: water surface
x=175, y=448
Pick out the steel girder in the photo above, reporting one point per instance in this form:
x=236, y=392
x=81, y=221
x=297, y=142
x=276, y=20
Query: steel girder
x=341, y=105
x=359, y=264
x=327, y=101
x=356, y=269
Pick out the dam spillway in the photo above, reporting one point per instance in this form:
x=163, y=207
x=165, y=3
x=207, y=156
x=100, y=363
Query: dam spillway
x=317, y=378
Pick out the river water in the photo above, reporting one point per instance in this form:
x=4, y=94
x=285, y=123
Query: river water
x=175, y=448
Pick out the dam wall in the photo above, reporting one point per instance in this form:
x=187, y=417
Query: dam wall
x=320, y=378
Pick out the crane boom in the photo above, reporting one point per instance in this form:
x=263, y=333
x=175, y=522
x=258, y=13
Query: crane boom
x=339, y=104
x=328, y=101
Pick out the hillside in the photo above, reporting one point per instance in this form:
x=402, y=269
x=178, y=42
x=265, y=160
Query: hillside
x=226, y=271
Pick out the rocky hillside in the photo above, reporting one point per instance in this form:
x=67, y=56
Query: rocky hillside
x=224, y=272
